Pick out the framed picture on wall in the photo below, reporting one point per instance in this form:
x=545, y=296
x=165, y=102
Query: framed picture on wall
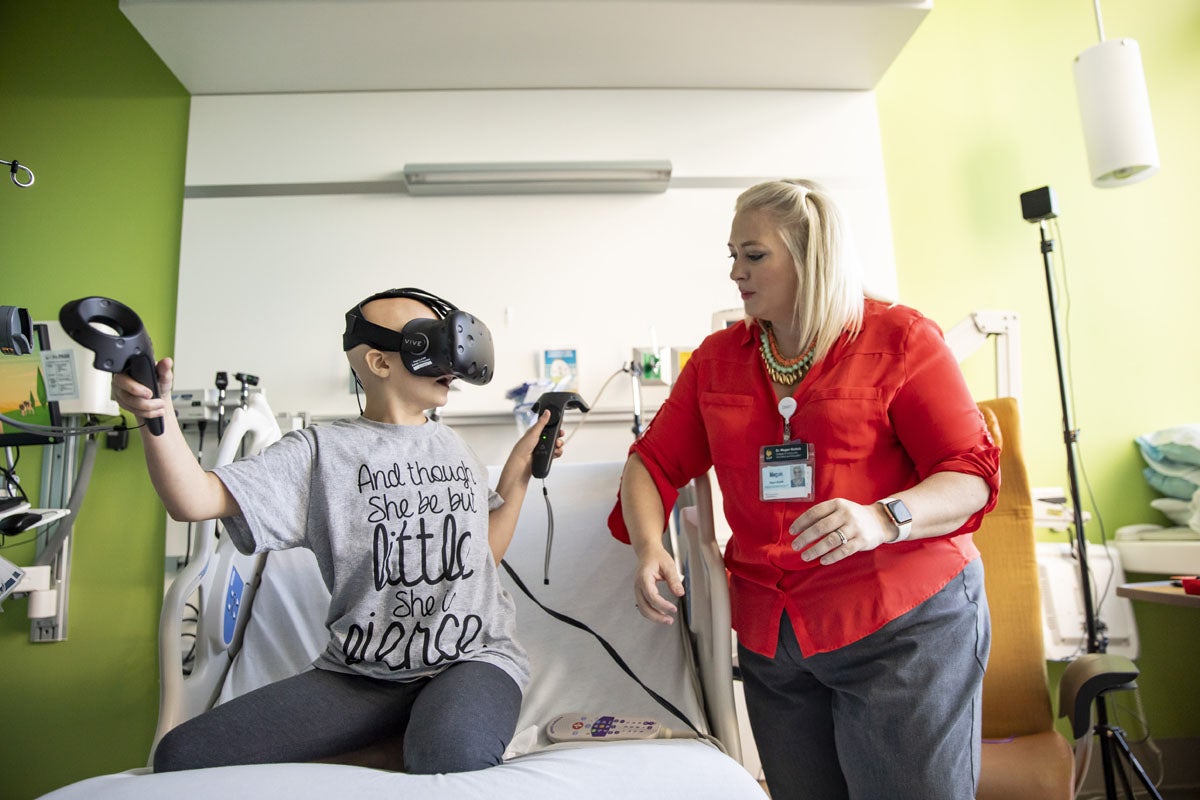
x=561, y=367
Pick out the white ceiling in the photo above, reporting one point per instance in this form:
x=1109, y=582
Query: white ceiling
x=269, y=46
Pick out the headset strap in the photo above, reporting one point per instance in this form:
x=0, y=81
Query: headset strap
x=359, y=330
x=441, y=306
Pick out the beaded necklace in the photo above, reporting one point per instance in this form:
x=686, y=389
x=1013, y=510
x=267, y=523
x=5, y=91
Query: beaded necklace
x=786, y=371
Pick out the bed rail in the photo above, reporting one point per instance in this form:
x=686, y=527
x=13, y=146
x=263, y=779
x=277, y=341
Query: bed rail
x=216, y=588
x=709, y=615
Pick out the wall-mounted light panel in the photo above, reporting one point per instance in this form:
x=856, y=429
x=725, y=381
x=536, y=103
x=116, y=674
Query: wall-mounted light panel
x=537, y=177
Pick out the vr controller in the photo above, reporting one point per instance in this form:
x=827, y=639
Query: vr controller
x=557, y=403
x=127, y=351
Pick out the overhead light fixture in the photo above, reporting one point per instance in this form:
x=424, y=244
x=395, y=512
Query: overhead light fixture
x=1118, y=130
x=537, y=177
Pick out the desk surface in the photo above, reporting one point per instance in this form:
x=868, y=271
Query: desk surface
x=1159, y=592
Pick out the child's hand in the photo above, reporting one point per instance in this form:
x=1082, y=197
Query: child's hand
x=526, y=443
x=137, y=399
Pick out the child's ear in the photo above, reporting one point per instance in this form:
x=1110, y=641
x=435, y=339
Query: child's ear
x=377, y=362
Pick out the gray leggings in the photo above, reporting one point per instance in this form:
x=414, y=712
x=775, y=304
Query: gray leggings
x=457, y=721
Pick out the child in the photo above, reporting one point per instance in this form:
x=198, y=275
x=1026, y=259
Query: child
x=395, y=507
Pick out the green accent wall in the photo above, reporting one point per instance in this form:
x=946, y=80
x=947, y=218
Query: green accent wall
x=90, y=108
x=980, y=107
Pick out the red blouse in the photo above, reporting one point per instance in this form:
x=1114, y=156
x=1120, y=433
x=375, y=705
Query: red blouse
x=884, y=411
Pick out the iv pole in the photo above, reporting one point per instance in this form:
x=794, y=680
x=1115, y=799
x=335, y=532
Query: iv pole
x=1097, y=642
x=1039, y=206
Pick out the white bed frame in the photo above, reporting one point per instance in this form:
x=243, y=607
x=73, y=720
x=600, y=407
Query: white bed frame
x=709, y=619
x=216, y=576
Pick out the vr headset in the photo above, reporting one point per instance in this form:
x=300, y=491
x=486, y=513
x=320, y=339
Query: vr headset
x=455, y=343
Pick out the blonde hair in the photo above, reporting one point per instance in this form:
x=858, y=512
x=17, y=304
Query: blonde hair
x=829, y=298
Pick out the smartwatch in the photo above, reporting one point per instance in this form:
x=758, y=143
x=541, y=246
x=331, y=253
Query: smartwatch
x=900, y=516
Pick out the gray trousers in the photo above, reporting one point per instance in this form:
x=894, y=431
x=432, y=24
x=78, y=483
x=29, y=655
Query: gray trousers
x=895, y=715
x=458, y=721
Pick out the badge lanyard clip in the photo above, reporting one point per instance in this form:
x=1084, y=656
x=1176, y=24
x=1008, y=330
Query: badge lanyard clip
x=786, y=470
x=787, y=407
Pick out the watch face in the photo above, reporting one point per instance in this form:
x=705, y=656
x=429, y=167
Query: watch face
x=899, y=512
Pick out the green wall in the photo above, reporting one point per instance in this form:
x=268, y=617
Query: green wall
x=980, y=107
x=103, y=124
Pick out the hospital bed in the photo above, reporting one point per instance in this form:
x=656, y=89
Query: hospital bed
x=261, y=618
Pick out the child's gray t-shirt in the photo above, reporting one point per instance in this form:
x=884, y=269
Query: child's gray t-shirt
x=397, y=516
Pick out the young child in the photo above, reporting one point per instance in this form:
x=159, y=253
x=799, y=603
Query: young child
x=407, y=535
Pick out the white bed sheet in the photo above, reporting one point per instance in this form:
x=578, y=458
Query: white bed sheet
x=663, y=770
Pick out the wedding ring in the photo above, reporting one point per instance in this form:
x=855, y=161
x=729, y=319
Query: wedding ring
x=841, y=535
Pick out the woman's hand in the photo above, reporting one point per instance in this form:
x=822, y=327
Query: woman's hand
x=837, y=529
x=653, y=566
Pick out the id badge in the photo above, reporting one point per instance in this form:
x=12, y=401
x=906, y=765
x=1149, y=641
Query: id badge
x=786, y=471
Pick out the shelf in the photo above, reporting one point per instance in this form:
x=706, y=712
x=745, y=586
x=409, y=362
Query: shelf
x=369, y=45
x=1158, y=592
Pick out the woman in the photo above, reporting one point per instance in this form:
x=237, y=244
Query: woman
x=854, y=465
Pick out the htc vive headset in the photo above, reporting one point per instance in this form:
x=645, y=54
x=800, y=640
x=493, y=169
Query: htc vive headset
x=456, y=343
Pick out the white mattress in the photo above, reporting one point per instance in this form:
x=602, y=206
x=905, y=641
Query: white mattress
x=663, y=770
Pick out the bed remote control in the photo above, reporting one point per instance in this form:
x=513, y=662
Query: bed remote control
x=577, y=727
x=557, y=403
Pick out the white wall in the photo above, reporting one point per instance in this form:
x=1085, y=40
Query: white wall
x=292, y=216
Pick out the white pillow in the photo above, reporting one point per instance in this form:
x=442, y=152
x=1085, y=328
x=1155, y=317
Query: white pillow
x=1172, y=456
x=1184, y=513
x=1180, y=487
x=1180, y=444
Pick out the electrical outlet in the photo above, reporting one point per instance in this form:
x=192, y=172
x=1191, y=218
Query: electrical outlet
x=651, y=366
x=46, y=630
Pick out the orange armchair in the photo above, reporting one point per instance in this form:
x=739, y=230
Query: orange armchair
x=1023, y=755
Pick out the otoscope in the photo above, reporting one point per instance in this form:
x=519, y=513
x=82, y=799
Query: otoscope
x=222, y=385
x=246, y=382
